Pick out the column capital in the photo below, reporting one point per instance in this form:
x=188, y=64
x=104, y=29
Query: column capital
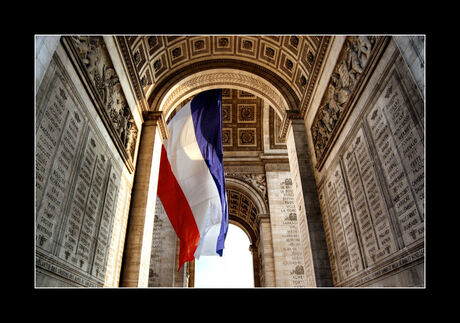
x=287, y=120
x=293, y=114
x=156, y=118
x=262, y=218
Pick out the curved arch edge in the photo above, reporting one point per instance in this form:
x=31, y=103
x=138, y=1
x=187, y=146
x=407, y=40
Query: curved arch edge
x=260, y=74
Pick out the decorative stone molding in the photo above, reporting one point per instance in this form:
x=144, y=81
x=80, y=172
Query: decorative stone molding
x=156, y=118
x=294, y=59
x=356, y=59
x=133, y=74
x=290, y=115
x=249, y=190
x=263, y=218
x=312, y=83
x=223, y=78
x=96, y=71
x=257, y=181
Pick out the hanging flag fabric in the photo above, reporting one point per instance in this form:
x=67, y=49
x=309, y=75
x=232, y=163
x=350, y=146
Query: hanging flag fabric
x=191, y=184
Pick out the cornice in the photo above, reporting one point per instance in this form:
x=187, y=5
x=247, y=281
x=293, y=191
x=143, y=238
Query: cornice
x=133, y=75
x=156, y=118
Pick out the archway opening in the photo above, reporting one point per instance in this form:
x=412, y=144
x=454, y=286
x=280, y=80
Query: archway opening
x=233, y=270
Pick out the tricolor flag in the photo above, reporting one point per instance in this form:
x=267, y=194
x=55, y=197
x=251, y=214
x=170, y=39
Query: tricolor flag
x=191, y=184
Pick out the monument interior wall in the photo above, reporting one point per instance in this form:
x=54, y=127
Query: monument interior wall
x=371, y=180
x=86, y=139
x=364, y=133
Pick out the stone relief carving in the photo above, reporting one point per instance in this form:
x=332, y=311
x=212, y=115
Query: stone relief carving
x=298, y=270
x=347, y=72
x=257, y=181
x=95, y=59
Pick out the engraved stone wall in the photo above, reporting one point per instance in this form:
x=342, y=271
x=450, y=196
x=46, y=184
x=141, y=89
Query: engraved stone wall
x=163, y=254
x=96, y=70
x=344, y=82
x=77, y=189
x=400, y=150
x=372, y=194
x=286, y=229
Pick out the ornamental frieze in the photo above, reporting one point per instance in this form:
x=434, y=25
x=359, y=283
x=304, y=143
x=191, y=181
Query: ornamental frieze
x=257, y=181
x=98, y=73
x=347, y=74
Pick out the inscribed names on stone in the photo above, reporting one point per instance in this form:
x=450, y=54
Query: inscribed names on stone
x=379, y=170
x=163, y=252
x=370, y=212
x=399, y=147
x=335, y=220
x=94, y=64
x=349, y=254
x=287, y=246
x=116, y=243
x=385, y=153
x=57, y=135
x=77, y=182
x=329, y=236
x=105, y=226
x=300, y=207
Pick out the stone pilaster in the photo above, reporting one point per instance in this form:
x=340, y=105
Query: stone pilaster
x=307, y=203
x=256, y=264
x=136, y=257
x=266, y=251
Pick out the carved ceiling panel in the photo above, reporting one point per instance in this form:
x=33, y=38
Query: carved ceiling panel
x=241, y=121
x=241, y=206
x=294, y=58
x=242, y=128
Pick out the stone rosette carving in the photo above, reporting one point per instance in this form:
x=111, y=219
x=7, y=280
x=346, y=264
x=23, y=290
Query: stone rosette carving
x=247, y=137
x=246, y=113
x=350, y=66
x=94, y=57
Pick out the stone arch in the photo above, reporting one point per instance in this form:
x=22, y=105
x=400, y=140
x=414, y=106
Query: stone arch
x=245, y=206
x=224, y=73
x=247, y=189
x=243, y=210
x=245, y=227
x=222, y=78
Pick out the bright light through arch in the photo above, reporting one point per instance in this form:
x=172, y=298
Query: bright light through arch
x=233, y=270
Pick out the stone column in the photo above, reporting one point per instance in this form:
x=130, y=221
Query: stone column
x=307, y=202
x=136, y=257
x=163, y=251
x=266, y=251
x=255, y=264
x=191, y=274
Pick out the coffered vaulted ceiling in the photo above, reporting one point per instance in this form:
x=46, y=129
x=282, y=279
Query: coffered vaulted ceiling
x=292, y=60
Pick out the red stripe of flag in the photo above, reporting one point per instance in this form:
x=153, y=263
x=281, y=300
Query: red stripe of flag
x=178, y=210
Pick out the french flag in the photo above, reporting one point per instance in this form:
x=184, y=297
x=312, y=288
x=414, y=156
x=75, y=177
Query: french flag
x=191, y=183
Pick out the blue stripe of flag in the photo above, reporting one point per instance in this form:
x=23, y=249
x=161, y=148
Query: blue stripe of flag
x=206, y=109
